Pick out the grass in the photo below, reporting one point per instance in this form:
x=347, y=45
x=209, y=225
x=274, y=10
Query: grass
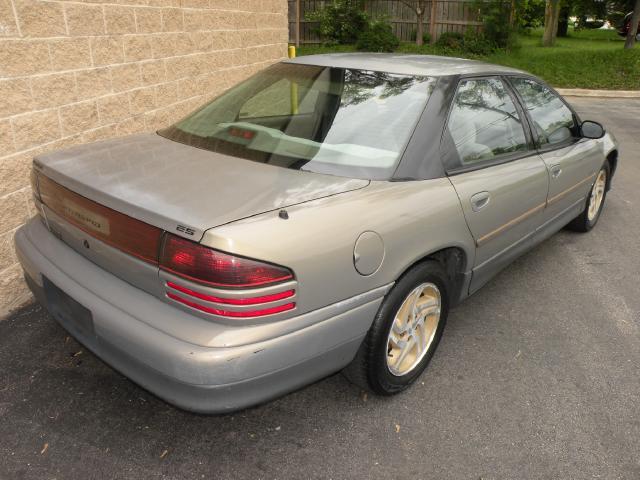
x=585, y=59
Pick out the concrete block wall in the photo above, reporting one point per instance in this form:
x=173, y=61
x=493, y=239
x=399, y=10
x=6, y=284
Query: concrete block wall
x=76, y=72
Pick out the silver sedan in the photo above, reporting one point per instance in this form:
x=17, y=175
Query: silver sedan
x=323, y=215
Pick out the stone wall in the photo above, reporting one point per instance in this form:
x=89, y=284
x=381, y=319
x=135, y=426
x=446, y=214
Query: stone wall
x=75, y=72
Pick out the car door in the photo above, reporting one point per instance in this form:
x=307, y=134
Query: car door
x=572, y=161
x=499, y=177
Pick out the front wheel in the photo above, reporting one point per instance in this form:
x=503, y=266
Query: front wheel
x=595, y=202
x=405, y=332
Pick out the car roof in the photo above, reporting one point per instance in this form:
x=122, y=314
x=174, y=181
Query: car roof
x=406, y=64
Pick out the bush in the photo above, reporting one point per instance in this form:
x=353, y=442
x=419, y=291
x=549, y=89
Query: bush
x=471, y=43
x=476, y=43
x=340, y=22
x=378, y=37
x=453, y=40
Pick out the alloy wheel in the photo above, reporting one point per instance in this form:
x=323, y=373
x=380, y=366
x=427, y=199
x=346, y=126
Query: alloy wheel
x=413, y=329
x=597, y=195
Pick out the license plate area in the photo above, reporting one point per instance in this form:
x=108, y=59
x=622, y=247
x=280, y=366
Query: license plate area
x=69, y=313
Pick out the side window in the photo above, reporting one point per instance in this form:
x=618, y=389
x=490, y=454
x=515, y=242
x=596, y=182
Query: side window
x=484, y=122
x=275, y=100
x=552, y=119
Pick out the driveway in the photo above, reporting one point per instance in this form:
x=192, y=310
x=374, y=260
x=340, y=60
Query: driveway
x=537, y=376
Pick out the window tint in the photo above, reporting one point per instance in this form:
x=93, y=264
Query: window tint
x=552, y=119
x=484, y=122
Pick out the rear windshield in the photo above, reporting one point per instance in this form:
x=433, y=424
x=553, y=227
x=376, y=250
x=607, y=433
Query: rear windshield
x=345, y=122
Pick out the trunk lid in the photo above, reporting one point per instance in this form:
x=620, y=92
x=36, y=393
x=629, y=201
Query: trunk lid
x=182, y=189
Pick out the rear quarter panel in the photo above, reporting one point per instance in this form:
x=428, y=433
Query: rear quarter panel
x=413, y=218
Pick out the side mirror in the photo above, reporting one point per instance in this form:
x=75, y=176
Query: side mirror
x=590, y=129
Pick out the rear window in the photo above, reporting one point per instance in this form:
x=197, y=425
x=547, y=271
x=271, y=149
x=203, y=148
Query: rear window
x=345, y=122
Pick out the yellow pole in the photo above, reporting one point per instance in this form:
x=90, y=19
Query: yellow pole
x=294, y=85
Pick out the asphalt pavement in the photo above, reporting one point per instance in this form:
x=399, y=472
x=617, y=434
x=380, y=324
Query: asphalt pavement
x=537, y=376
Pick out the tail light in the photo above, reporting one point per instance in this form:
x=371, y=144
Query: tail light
x=211, y=267
x=229, y=313
x=274, y=297
x=213, y=273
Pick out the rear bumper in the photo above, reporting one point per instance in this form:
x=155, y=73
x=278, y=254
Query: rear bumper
x=193, y=377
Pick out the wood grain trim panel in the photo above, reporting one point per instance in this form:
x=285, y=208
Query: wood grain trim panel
x=558, y=196
x=520, y=218
x=509, y=224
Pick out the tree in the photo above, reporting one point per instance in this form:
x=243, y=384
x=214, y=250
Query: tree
x=420, y=8
x=633, y=28
x=563, y=21
x=530, y=13
x=499, y=20
x=551, y=14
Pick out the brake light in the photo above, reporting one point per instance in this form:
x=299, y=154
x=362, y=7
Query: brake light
x=204, y=265
x=237, y=132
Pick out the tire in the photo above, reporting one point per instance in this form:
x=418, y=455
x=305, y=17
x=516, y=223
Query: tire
x=588, y=218
x=378, y=365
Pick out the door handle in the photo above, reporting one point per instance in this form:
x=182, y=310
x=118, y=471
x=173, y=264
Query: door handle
x=555, y=171
x=479, y=201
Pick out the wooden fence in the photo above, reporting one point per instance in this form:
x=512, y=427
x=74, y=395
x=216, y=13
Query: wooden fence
x=449, y=16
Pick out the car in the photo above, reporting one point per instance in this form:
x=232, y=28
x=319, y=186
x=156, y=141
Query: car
x=322, y=216
x=623, y=31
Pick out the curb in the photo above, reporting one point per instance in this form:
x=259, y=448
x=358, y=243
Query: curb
x=578, y=92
